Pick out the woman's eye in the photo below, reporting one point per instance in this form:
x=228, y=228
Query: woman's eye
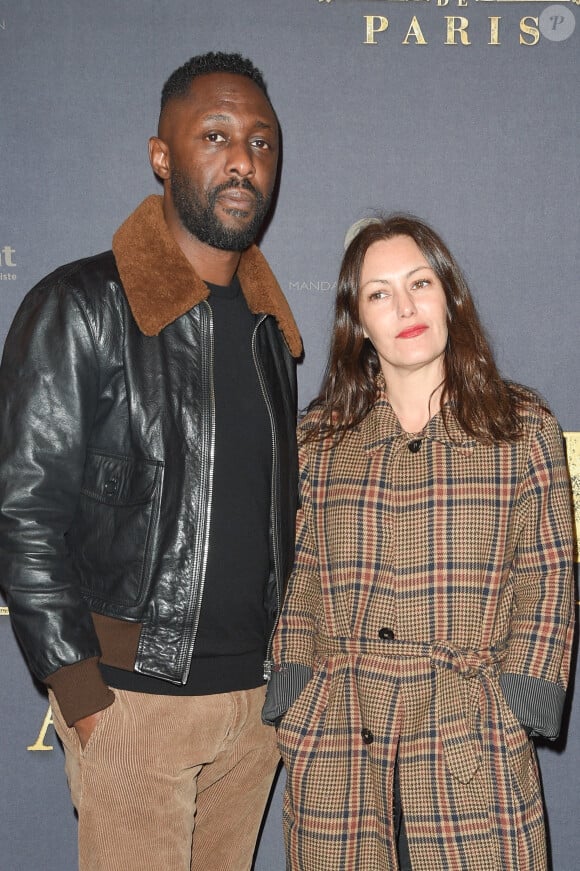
x=421, y=282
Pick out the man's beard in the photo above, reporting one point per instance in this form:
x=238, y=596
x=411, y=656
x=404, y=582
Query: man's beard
x=201, y=221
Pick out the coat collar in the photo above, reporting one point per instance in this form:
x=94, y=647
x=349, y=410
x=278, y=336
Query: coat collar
x=161, y=285
x=382, y=425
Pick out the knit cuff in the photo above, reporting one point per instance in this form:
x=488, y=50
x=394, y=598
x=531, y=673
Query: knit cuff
x=80, y=690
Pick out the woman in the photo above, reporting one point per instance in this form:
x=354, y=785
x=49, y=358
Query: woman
x=427, y=627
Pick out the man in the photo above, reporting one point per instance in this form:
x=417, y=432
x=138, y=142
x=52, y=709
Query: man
x=148, y=491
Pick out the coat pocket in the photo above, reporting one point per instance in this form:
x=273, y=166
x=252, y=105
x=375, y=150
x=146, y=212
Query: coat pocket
x=303, y=723
x=111, y=535
x=519, y=747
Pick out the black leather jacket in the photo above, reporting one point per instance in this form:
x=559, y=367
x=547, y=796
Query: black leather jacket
x=106, y=461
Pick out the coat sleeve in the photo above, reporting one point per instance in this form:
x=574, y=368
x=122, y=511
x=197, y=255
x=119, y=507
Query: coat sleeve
x=535, y=672
x=48, y=396
x=293, y=648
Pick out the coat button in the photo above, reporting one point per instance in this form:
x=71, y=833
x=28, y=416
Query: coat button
x=414, y=445
x=386, y=634
x=367, y=736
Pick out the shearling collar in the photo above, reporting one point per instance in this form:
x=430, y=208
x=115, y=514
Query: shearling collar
x=161, y=285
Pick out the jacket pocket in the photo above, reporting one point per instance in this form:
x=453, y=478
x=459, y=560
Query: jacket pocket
x=111, y=537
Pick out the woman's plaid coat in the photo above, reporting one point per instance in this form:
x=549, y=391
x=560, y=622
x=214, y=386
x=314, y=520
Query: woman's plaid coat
x=431, y=608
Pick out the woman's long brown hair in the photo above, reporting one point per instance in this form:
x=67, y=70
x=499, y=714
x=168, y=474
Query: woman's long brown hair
x=487, y=406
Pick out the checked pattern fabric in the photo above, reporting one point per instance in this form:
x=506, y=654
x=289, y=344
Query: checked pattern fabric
x=428, y=571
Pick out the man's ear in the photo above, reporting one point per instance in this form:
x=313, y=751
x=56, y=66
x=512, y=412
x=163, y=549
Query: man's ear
x=159, y=157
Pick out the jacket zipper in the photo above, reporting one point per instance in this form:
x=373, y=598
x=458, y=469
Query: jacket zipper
x=274, y=497
x=201, y=546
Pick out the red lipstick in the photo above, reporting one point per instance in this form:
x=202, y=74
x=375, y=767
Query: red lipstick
x=412, y=332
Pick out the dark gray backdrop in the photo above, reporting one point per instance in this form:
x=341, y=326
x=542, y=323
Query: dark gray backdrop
x=481, y=139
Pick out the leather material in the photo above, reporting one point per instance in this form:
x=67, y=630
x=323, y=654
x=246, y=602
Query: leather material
x=105, y=469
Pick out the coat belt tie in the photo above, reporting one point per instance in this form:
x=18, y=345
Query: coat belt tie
x=455, y=669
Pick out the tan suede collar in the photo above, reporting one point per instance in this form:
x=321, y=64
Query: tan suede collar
x=161, y=285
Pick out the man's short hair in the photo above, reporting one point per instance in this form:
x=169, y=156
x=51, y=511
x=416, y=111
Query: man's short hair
x=179, y=82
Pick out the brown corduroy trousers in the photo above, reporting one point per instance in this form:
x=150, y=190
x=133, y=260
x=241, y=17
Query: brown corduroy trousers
x=171, y=783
